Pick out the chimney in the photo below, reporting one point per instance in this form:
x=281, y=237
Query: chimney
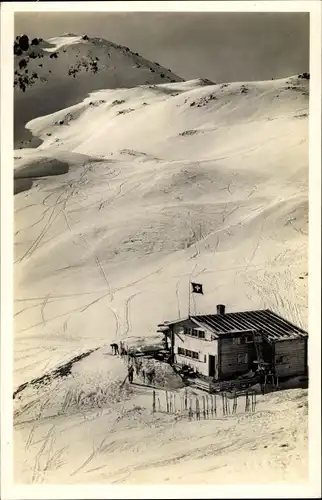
x=220, y=309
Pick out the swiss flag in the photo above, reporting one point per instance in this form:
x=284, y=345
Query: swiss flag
x=197, y=288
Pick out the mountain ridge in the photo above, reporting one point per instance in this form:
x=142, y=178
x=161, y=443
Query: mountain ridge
x=76, y=67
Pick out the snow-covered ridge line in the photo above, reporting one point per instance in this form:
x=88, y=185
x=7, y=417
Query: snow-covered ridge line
x=62, y=41
x=143, y=107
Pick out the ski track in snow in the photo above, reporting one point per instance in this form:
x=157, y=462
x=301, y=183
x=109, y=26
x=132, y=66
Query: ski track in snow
x=99, y=266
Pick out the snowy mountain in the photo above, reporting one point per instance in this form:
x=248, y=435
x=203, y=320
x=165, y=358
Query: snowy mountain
x=134, y=190
x=67, y=68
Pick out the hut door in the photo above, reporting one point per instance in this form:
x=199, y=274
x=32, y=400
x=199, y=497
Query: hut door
x=212, y=365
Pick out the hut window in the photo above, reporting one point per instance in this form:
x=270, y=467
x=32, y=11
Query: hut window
x=246, y=339
x=242, y=359
x=236, y=340
x=280, y=359
x=188, y=353
x=195, y=333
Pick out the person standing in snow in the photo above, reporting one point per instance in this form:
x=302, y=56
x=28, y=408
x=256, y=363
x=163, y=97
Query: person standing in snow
x=123, y=351
x=115, y=349
x=130, y=373
x=138, y=366
x=153, y=375
x=262, y=380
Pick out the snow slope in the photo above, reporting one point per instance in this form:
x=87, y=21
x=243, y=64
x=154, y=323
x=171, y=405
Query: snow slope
x=116, y=438
x=166, y=182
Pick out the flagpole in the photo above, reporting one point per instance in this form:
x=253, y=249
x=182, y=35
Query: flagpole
x=189, y=299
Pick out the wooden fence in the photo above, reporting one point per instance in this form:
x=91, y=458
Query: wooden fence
x=208, y=406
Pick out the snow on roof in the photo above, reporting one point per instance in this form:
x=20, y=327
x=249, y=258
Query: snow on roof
x=271, y=326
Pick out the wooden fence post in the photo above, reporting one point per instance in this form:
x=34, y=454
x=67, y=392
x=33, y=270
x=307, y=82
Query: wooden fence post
x=190, y=409
x=212, y=405
x=223, y=403
x=174, y=403
x=185, y=399
x=207, y=401
x=167, y=400
x=247, y=402
x=215, y=408
x=204, y=407
x=159, y=405
x=235, y=403
x=153, y=404
x=197, y=409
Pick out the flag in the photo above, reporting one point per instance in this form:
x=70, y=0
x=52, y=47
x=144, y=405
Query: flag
x=197, y=288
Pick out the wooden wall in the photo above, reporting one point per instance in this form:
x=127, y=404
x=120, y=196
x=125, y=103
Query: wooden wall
x=228, y=353
x=290, y=357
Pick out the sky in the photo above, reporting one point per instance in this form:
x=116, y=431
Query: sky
x=234, y=46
